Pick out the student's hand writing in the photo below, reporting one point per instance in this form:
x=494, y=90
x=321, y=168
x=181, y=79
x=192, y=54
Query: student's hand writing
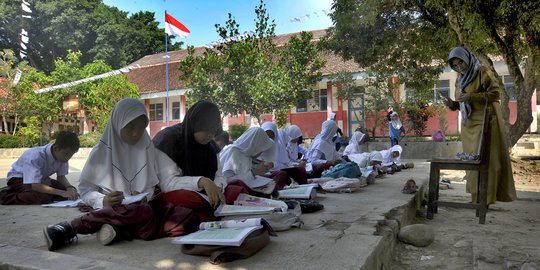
x=143, y=200
x=212, y=190
x=302, y=164
x=113, y=198
x=70, y=194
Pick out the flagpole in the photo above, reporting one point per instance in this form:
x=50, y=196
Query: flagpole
x=166, y=78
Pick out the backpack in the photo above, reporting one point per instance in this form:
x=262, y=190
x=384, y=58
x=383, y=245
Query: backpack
x=344, y=169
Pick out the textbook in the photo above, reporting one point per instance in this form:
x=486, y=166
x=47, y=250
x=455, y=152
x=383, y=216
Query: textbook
x=299, y=192
x=67, y=203
x=222, y=233
x=250, y=200
x=262, y=184
x=238, y=210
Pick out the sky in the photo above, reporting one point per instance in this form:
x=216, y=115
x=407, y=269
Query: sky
x=200, y=16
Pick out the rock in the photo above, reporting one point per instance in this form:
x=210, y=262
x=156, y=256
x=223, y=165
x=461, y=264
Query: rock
x=419, y=235
x=462, y=243
x=529, y=266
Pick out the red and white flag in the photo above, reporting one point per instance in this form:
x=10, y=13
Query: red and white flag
x=175, y=28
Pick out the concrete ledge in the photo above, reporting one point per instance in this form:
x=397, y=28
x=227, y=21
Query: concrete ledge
x=21, y=258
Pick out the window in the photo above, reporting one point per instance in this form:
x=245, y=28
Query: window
x=442, y=89
x=323, y=100
x=156, y=112
x=176, y=110
x=509, y=86
x=317, y=102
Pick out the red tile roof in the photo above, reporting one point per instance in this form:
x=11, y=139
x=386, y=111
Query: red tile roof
x=150, y=76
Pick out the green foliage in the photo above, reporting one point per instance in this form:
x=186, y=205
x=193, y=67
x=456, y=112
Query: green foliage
x=236, y=131
x=418, y=114
x=251, y=74
x=100, y=32
x=90, y=139
x=30, y=133
x=10, y=141
x=412, y=39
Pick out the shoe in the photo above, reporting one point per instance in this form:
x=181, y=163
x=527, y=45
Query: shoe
x=409, y=165
x=59, y=235
x=310, y=206
x=106, y=234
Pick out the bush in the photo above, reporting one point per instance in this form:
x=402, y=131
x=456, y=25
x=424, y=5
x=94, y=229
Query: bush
x=236, y=130
x=10, y=141
x=90, y=139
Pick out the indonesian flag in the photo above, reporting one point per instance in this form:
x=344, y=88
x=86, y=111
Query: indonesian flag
x=175, y=28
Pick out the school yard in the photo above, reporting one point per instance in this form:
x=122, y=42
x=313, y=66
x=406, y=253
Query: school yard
x=359, y=232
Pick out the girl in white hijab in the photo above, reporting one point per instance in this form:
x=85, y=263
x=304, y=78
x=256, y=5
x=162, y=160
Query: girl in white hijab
x=322, y=154
x=356, y=140
x=392, y=156
x=124, y=163
x=291, y=136
x=395, y=127
x=241, y=166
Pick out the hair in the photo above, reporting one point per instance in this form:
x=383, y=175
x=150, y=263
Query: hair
x=67, y=140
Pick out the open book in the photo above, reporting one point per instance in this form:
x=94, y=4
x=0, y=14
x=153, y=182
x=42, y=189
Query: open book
x=262, y=184
x=222, y=233
x=238, y=210
x=250, y=200
x=66, y=203
x=306, y=191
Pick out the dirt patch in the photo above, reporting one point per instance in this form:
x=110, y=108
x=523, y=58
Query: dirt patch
x=508, y=240
x=526, y=175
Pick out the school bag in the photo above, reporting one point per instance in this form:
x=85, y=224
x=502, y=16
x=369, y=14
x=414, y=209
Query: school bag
x=344, y=169
x=344, y=184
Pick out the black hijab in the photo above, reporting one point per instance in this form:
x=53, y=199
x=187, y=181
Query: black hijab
x=180, y=145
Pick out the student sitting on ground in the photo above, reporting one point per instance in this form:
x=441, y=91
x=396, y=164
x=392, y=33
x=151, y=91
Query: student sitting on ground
x=281, y=161
x=392, y=159
x=368, y=162
x=357, y=139
x=322, y=154
x=241, y=165
x=123, y=163
x=191, y=146
x=292, y=135
x=29, y=179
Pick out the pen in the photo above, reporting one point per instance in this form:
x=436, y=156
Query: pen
x=104, y=190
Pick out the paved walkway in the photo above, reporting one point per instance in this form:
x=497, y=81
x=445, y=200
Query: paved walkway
x=359, y=233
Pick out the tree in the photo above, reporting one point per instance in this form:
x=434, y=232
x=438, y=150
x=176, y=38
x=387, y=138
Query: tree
x=100, y=32
x=252, y=74
x=97, y=98
x=412, y=39
x=8, y=98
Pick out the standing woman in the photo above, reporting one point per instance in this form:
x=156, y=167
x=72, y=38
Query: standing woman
x=395, y=127
x=191, y=146
x=477, y=88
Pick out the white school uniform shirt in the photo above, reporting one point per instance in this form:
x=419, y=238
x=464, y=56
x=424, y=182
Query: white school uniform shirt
x=322, y=148
x=118, y=166
x=36, y=165
x=236, y=160
x=353, y=147
x=388, y=160
x=364, y=159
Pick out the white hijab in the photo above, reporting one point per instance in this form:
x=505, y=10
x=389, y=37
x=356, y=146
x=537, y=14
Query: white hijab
x=251, y=143
x=353, y=147
x=287, y=135
x=323, y=141
x=388, y=159
x=395, y=123
x=116, y=164
x=281, y=157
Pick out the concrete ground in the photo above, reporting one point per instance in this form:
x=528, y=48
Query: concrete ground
x=360, y=233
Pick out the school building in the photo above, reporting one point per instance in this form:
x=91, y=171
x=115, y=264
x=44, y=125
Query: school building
x=309, y=114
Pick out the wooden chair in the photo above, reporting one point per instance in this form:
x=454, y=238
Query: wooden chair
x=481, y=165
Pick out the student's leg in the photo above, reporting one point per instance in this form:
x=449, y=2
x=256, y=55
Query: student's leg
x=192, y=200
x=318, y=169
x=282, y=179
x=22, y=194
x=298, y=174
x=233, y=189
